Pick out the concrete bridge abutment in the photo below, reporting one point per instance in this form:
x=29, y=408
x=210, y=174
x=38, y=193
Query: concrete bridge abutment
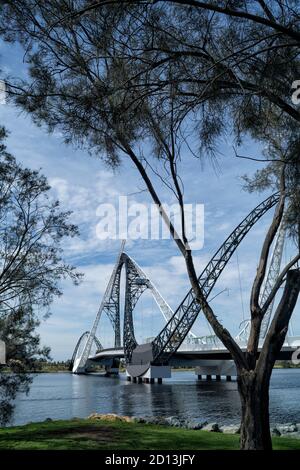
x=152, y=374
x=217, y=369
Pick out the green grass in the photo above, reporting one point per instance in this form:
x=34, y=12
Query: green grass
x=95, y=434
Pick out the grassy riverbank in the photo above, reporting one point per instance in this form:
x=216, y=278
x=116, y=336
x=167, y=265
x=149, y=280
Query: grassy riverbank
x=97, y=434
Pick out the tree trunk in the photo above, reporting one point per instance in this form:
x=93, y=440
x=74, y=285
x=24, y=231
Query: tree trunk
x=255, y=424
x=253, y=385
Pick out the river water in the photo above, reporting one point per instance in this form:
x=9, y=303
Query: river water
x=63, y=396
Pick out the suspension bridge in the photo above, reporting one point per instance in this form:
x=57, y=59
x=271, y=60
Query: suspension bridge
x=176, y=344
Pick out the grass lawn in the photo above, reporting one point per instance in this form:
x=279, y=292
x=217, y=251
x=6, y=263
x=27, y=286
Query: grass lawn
x=95, y=434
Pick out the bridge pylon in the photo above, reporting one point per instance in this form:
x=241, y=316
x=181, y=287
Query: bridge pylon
x=80, y=362
x=136, y=283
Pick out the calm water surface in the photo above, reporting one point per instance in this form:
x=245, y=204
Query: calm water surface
x=63, y=396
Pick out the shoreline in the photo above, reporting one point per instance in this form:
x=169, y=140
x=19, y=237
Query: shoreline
x=283, y=429
x=113, y=432
x=60, y=371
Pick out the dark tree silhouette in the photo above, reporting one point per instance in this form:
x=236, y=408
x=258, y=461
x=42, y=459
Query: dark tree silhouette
x=32, y=229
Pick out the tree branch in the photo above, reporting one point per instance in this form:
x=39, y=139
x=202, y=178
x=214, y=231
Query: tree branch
x=197, y=4
x=279, y=326
x=261, y=270
x=278, y=283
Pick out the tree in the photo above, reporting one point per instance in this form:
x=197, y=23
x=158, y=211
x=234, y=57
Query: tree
x=114, y=75
x=32, y=230
x=18, y=328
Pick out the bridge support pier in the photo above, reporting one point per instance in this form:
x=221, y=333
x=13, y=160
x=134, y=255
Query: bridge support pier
x=111, y=371
x=149, y=376
x=148, y=380
x=79, y=371
x=112, y=367
x=216, y=368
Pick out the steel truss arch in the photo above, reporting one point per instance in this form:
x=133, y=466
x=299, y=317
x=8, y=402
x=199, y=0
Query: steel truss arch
x=136, y=283
x=80, y=362
x=179, y=323
x=79, y=342
x=173, y=334
x=112, y=306
x=269, y=282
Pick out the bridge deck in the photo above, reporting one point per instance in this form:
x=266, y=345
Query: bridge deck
x=190, y=354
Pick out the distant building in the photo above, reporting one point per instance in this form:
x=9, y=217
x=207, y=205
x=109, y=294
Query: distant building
x=2, y=352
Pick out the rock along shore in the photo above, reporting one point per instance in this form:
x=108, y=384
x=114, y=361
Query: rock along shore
x=284, y=430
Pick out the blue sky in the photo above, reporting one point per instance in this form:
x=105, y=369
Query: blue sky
x=82, y=183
